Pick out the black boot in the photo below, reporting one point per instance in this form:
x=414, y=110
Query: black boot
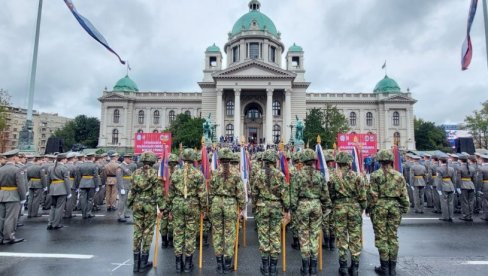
x=326, y=242
x=137, y=257
x=393, y=267
x=354, y=269
x=332, y=242
x=205, y=240
x=228, y=266
x=164, y=241
x=189, y=263
x=313, y=266
x=144, y=262
x=305, y=267
x=179, y=263
x=343, y=268
x=383, y=269
x=296, y=244
x=220, y=264
x=272, y=266
x=265, y=266
x=170, y=241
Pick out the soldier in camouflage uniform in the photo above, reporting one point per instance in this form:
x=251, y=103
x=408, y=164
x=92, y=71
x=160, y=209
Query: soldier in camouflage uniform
x=310, y=203
x=388, y=200
x=271, y=200
x=327, y=221
x=226, y=200
x=144, y=198
x=294, y=169
x=206, y=220
x=348, y=193
x=166, y=228
x=187, y=201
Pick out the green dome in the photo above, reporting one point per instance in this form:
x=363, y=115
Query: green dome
x=295, y=48
x=125, y=84
x=213, y=48
x=387, y=85
x=254, y=15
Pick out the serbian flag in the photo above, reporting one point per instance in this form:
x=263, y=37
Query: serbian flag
x=356, y=160
x=163, y=171
x=397, y=164
x=205, y=164
x=244, y=168
x=90, y=29
x=284, y=167
x=467, y=49
x=321, y=165
x=215, y=160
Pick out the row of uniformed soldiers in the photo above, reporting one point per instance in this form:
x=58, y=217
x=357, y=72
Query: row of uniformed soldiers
x=453, y=183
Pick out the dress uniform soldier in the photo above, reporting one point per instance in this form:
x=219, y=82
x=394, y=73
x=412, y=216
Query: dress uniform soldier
x=455, y=163
x=445, y=174
x=12, y=195
x=124, y=177
x=429, y=196
x=310, y=204
x=466, y=175
x=406, y=175
x=73, y=177
x=46, y=203
x=436, y=188
x=110, y=171
x=88, y=184
x=328, y=222
x=60, y=189
x=484, y=187
x=34, y=175
x=187, y=200
x=226, y=200
x=271, y=202
x=477, y=181
x=418, y=178
x=166, y=223
x=100, y=161
x=348, y=194
x=144, y=198
x=387, y=201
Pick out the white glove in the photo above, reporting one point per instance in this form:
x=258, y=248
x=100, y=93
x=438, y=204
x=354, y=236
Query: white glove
x=22, y=202
x=45, y=189
x=69, y=195
x=439, y=192
x=27, y=194
x=458, y=190
x=97, y=189
x=122, y=192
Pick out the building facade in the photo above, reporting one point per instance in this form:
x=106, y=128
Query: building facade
x=255, y=95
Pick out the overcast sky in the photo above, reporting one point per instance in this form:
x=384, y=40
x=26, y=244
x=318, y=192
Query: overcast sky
x=345, y=42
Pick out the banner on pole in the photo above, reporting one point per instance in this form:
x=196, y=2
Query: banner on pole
x=155, y=142
x=366, y=143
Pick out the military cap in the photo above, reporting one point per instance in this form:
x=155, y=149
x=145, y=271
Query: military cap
x=61, y=156
x=225, y=154
x=91, y=154
x=11, y=153
x=308, y=155
x=443, y=158
x=297, y=156
x=270, y=155
x=21, y=155
x=51, y=156
x=385, y=155
x=484, y=156
x=128, y=155
x=329, y=156
x=71, y=155
x=188, y=155
x=452, y=155
x=115, y=154
x=173, y=158
x=98, y=156
x=104, y=154
x=415, y=157
x=463, y=157
x=435, y=156
x=343, y=157
x=236, y=158
x=149, y=157
x=426, y=155
x=472, y=158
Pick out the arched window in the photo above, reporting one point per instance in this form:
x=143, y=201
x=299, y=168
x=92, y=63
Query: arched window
x=116, y=116
x=115, y=137
x=352, y=119
x=188, y=112
x=229, y=108
x=396, y=139
x=156, y=117
x=276, y=108
x=369, y=119
x=276, y=134
x=140, y=119
x=229, y=130
x=396, y=118
x=172, y=116
x=155, y=131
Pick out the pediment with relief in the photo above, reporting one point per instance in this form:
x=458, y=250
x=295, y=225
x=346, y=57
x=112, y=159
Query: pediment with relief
x=399, y=98
x=114, y=96
x=254, y=69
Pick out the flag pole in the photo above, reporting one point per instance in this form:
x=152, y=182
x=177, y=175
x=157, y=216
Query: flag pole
x=485, y=16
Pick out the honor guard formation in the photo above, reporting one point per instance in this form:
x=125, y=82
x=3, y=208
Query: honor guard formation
x=210, y=193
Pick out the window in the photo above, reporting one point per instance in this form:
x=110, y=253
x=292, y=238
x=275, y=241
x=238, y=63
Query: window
x=235, y=54
x=188, y=112
x=295, y=61
x=396, y=139
x=172, y=116
x=140, y=119
x=253, y=113
x=369, y=119
x=276, y=108
x=43, y=135
x=254, y=50
x=276, y=134
x=115, y=137
x=352, y=119
x=116, y=116
x=15, y=136
x=272, y=53
x=213, y=61
x=229, y=130
x=156, y=117
x=396, y=118
x=229, y=108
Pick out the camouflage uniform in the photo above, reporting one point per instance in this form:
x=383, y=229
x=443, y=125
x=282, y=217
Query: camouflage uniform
x=206, y=219
x=294, y=169
x=187, y=199
x=310, y=203
x=348, y=193
x=226, y=200
x=144, y=197
x=166, y=228
x=327, y=220
x=387, y=199
x=271, y=197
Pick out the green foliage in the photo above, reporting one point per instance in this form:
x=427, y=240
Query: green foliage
x=326, y=122
x=186, y=130
x=4, y=104
x=478, y=125
x=82, y=130
x=428, y=136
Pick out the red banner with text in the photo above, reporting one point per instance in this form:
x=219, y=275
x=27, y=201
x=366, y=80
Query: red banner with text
x=155, y=142
x=366, y=143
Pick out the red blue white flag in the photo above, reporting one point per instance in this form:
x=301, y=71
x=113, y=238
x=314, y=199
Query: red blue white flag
x=205, y=164
x=215, y=160
x=467, y=49
x=244, y=168
x=321, y=165
x=284, y=167
x=397, y=164
x=90, y=29
x=356, y=160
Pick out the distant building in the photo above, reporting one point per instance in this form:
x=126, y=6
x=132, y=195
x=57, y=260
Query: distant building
x=44, y=125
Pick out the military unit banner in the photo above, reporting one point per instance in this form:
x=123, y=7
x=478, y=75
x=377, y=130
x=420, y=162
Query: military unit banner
x=366, y=143
x=155, y=142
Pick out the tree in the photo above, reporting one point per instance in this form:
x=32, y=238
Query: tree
x=428, y=136
x=82, y=131
x=186, y=130
x=326, y=122
x=4, y=104
x=477, y=124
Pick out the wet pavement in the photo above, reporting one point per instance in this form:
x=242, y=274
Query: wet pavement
x=102, y=246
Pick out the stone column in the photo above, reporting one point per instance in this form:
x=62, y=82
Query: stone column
x=287, y=116
x=269, y=116
x=237, y=114
x=408, y=140
x=219, y=115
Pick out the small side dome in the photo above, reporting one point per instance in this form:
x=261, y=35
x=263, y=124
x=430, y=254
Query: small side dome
x=125, y=84
x=295, y=48
x=213, y=48
x=387, y=85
